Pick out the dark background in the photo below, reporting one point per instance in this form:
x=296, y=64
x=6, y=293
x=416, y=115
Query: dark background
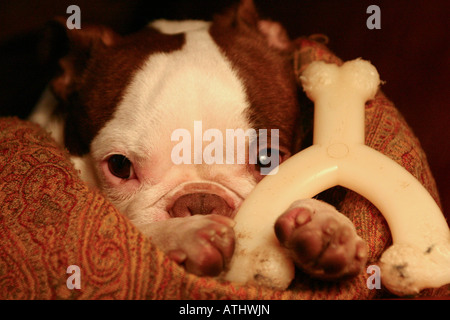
x=411, y=51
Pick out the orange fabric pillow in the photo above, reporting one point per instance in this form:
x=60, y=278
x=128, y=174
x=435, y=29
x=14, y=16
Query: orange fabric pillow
x=50, y=220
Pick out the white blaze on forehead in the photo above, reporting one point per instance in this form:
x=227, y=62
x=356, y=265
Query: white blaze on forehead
x=171, y=91
x=173, y=27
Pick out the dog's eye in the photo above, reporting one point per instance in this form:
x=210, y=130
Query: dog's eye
x=265, y=158
x=120, y=166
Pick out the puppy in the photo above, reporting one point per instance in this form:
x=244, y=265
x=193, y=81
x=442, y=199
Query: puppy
x=118, y=101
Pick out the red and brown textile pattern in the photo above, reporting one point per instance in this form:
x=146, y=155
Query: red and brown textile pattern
x=49, y=220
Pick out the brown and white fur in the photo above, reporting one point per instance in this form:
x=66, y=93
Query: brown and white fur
x=125, y=95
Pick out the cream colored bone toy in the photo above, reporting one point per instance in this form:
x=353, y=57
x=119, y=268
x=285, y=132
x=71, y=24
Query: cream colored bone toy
x=420, y=255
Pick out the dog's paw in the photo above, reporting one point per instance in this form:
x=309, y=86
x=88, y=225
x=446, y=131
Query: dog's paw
x=205, y=245
x=323, y=242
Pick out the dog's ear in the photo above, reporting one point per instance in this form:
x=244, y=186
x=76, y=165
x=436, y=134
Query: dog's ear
x=72, y=48
x=67, y=52
x=245, y=17
x=246, y=14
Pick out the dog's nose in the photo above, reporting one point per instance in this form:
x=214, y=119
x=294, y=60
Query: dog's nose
x=200, y=203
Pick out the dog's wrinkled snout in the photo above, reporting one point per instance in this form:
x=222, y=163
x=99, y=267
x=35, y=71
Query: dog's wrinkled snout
x=200, y=203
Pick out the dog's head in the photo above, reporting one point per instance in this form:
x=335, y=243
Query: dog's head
x=163, y=112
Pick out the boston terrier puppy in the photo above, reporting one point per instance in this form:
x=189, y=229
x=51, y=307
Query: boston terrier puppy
x=121, y=104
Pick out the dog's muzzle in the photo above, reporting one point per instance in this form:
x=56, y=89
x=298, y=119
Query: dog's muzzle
x=201, y=198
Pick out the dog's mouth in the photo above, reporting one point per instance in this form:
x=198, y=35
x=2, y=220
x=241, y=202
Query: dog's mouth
x=202, y=198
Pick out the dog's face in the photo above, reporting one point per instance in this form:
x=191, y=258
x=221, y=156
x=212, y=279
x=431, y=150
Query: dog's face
x=153, y=111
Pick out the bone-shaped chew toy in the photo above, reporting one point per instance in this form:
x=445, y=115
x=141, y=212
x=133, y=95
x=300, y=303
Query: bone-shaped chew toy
x=420, y=255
